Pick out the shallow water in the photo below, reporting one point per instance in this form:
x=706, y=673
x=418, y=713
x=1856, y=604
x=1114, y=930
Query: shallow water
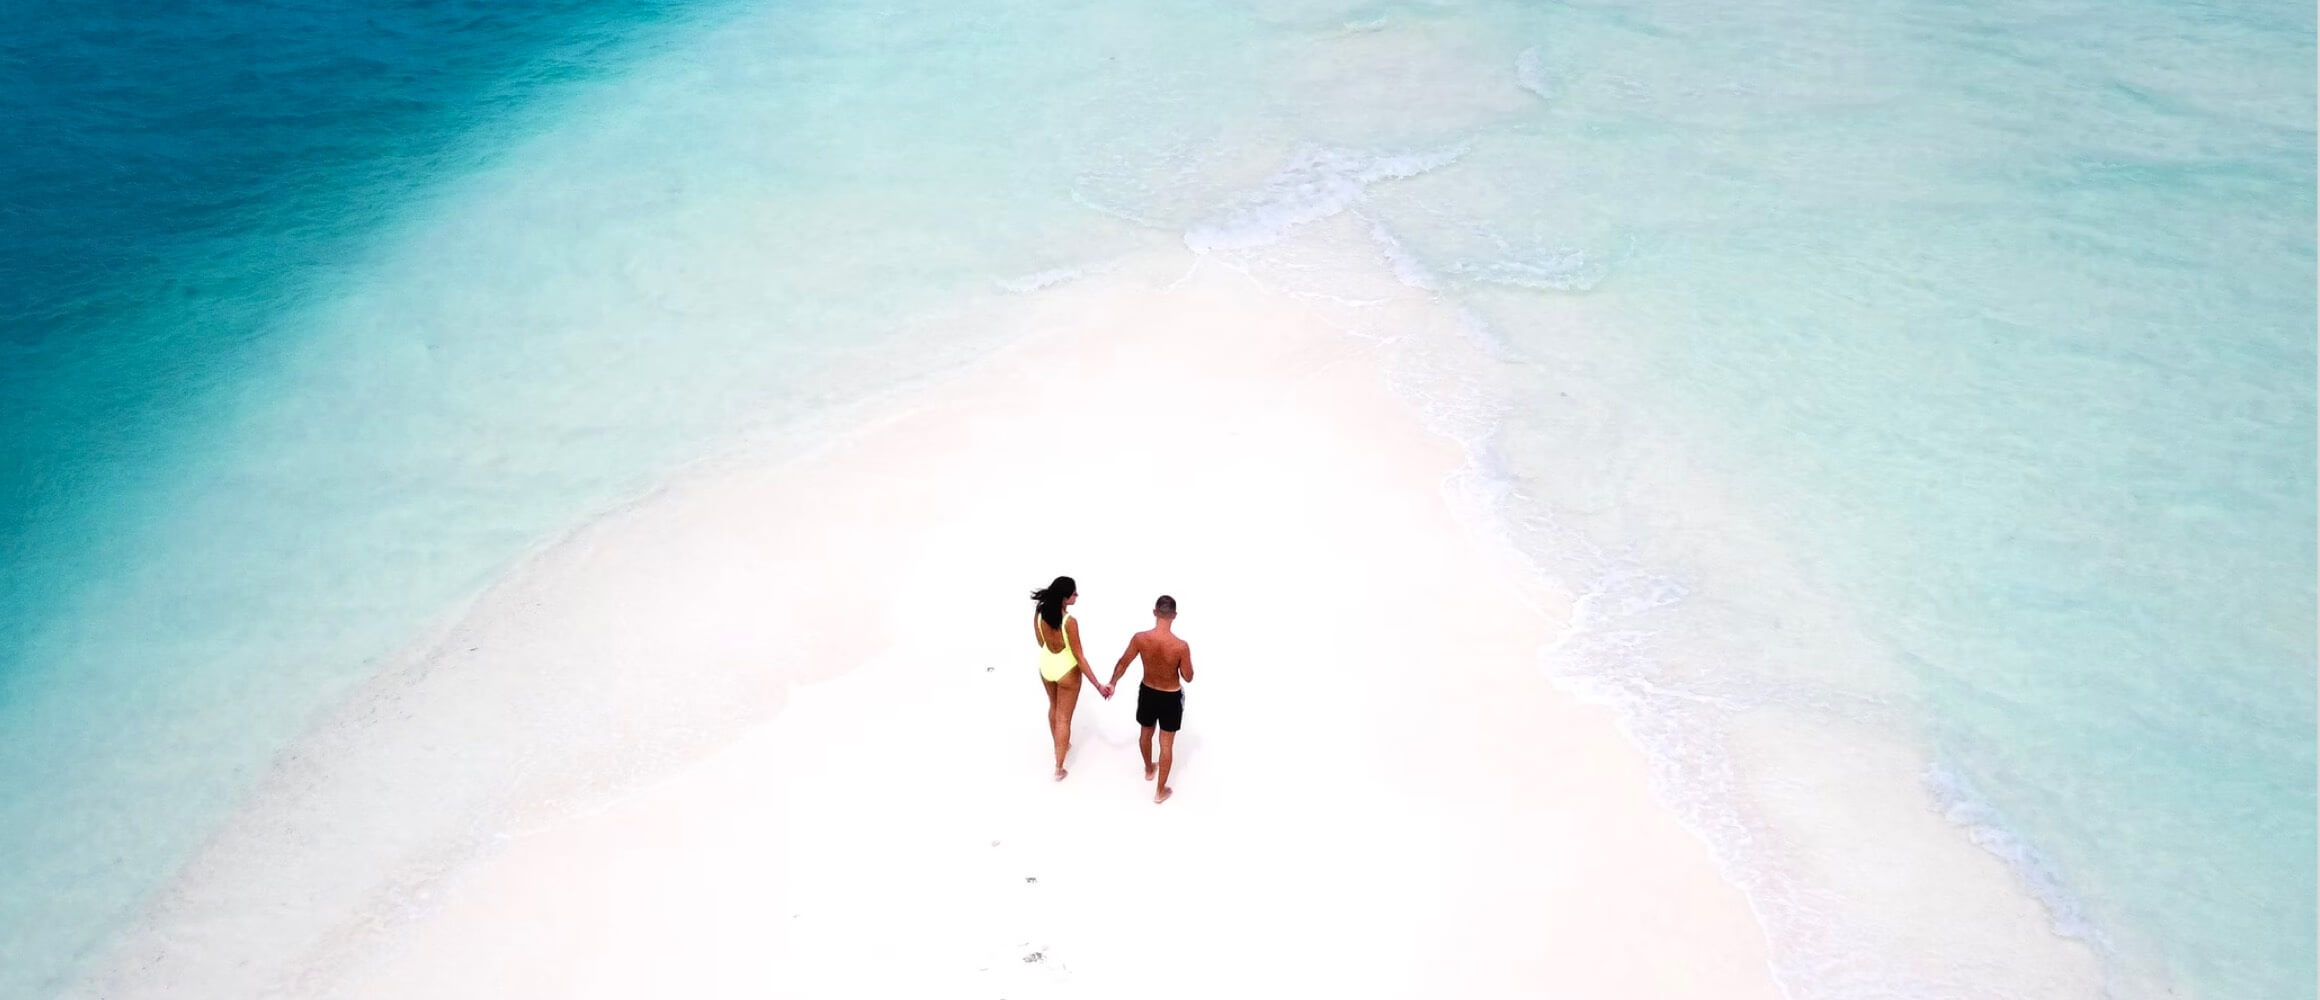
x=1997, y=318
x=1931, y=374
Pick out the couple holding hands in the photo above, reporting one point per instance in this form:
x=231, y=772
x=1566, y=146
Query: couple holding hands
x=1159, y=699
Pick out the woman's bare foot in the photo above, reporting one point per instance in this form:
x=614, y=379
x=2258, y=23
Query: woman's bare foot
x=1163, y=796
x=1150, y=772
x=1060, y=773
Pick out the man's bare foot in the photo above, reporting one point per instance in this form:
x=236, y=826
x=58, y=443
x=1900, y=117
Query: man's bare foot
x=1060, y=773
x=1150, y=772
x=1163, y=796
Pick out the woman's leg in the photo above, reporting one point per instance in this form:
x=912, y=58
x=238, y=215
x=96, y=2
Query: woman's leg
x=1066, y=699
x=1050, y=686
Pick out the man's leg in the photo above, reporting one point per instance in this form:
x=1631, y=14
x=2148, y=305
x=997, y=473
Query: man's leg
x=1167, y=757
x=1144, y=743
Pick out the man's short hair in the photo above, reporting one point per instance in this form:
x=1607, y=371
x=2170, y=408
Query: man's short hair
x=1165, y=607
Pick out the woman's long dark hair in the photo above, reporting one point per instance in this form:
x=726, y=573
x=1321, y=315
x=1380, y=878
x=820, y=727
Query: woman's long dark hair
x=1051, y=600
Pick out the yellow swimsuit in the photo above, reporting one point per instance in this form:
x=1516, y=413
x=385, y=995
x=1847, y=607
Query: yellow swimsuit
x=1055, y=666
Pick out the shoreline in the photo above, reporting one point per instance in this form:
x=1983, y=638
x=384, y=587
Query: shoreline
x=1464, y=840
x=1830, y=480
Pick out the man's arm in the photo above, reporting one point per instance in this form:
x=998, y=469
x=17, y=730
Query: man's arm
x=1126, y=657
x=1184, y=669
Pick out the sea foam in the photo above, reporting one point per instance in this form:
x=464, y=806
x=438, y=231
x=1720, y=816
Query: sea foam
x=1316, y=184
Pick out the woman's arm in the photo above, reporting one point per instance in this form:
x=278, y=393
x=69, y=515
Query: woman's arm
x=1071, y=632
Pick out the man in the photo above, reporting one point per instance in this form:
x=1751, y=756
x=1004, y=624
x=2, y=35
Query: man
x=1160, y=699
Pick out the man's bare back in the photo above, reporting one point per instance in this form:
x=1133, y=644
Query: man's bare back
x=1167, y=659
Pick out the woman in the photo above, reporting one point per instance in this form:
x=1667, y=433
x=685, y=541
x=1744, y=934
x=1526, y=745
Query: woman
x=1060, y=661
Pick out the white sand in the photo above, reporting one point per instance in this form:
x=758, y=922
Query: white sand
x=1377, y=792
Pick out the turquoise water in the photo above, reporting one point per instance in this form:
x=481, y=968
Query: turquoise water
x=2002, y=314
x=1990, y=324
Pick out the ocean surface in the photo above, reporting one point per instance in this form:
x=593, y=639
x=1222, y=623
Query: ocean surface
x=1933, y=377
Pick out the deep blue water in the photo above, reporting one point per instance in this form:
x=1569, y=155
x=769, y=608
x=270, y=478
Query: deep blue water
x=176, y=170
x=175, y=174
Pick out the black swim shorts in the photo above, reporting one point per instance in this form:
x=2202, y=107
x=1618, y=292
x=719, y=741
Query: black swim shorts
x=1162, y=708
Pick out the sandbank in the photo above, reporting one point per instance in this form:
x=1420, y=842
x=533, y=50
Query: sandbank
x=774, y=729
